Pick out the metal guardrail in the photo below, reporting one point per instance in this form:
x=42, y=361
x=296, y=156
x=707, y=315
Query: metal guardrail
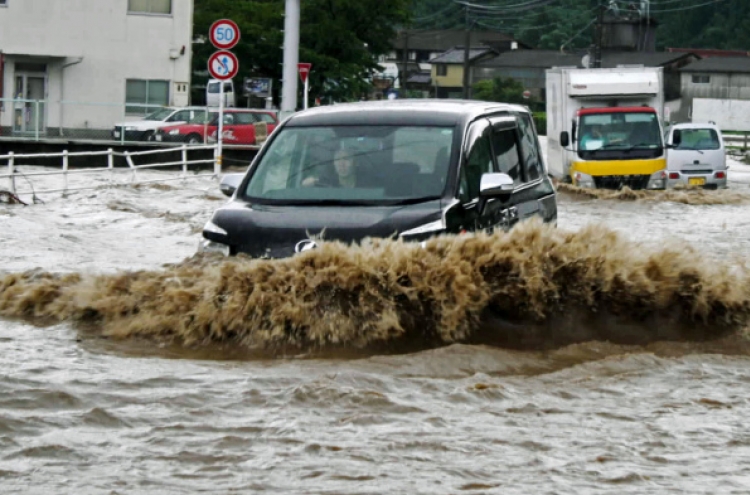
x=12, y=163
x=737, y=139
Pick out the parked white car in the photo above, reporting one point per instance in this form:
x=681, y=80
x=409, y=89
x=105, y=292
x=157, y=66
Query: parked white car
x=145, y=129
x=696, y=156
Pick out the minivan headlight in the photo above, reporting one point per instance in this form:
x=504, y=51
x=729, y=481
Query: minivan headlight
x=431, y=228
x=212, y=227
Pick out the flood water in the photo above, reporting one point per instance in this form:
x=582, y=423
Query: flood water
x=608, y=355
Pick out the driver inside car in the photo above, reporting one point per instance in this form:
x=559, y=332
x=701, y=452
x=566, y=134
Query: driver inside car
x=345, y=176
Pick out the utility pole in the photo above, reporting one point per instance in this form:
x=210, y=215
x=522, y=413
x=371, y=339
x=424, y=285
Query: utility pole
x=404, y=74
x=599, y=37
x=467, y=54
x=291, y=58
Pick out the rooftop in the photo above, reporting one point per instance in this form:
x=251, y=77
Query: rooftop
x=438, y=40
x=456, y=55
x=545, y=59
x=737, y=65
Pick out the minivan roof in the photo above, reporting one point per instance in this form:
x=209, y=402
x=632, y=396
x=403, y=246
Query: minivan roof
x=434, y=112
x=695, y=125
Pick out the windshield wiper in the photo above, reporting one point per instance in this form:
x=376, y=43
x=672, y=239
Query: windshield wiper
x=689, y=149
x=330, y=202
x=641, y=145
x=411, y=201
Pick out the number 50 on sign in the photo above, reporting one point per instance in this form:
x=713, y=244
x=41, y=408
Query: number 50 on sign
x=224, y=34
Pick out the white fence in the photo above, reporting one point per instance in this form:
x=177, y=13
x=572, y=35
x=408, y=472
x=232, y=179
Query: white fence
x=13, y=163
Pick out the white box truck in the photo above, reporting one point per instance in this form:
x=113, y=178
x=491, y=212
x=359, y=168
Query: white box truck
x=604, y=127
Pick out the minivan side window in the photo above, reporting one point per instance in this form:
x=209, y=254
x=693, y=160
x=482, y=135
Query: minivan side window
x=506, y=153
x=478, y=162
x=530, y=148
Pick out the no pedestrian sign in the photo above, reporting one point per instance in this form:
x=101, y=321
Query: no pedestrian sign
x=223, y=65
x=224, y=34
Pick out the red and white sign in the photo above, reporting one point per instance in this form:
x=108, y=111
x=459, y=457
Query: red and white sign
x=304, y=70
x=223, y=65
x=224, y=34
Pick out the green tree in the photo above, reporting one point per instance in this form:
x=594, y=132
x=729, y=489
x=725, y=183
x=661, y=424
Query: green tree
x=341, y=38
x=500, y=89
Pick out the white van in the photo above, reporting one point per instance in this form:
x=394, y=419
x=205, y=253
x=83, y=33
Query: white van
x=212, y=93
x=696, y=156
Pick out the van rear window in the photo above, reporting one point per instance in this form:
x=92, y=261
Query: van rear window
x=696, y=139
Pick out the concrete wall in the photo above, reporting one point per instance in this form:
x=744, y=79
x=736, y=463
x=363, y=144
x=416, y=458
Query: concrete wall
x=112, y=44
x=729, y=115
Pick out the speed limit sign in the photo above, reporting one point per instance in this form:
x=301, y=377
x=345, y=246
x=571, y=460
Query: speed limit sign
x=224, y=34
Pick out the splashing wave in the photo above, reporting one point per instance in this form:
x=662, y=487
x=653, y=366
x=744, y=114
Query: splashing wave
x=534, y=287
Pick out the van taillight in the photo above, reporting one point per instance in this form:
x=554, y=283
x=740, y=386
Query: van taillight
x=674, y=175
x=720, y=175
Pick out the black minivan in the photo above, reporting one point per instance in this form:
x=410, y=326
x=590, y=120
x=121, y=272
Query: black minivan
x=406, y=168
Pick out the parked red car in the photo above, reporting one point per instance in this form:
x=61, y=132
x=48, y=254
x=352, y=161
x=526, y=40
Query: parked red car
x=238, y=128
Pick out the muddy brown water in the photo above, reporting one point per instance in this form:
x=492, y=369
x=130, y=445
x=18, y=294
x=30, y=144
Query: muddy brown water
x=608, y=355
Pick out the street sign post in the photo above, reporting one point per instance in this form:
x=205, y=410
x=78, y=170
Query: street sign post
x=304, y=73
x=223, y=66
x=224, y=34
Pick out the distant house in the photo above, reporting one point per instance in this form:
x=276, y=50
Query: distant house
x=447, y=72
x=423, y=45
x=418, y=47
x=86, y=64
x=529, y=66
x=525, y=66
x=719, y=78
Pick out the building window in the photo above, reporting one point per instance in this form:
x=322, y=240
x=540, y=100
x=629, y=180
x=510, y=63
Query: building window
x=3, y=3
x=701, y=79
x=441, y=69
x=150, y=6
x=143, y=97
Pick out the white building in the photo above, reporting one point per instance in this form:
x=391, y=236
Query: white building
x=91, y=62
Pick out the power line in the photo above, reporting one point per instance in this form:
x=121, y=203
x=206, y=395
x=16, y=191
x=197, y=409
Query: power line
x=528, y=5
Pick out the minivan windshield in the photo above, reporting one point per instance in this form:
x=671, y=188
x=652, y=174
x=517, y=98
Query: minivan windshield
x=366, y=165
x=696, y=139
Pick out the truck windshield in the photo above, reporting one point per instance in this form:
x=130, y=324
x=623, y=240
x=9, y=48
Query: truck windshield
x=364, y=165
x=623, y=131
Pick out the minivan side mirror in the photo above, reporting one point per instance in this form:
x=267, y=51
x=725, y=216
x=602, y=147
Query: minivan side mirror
x=230, y=183
x=494, y=185
x=564, y=139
